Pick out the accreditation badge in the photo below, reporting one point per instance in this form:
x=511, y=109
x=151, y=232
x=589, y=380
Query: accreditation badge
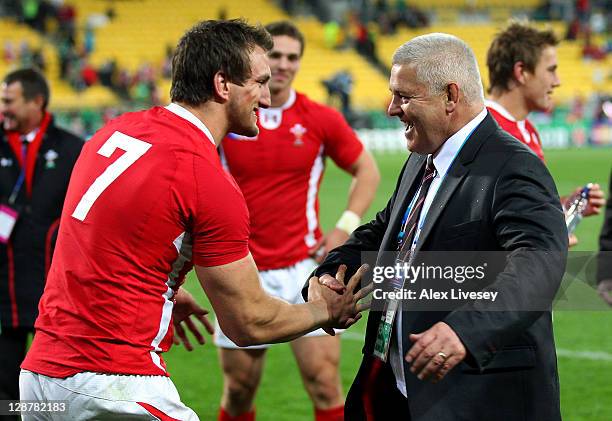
x=385, y=329
x=8, y=218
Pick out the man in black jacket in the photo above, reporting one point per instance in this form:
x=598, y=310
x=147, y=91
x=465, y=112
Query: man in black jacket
x=604, y=267
x=467, y=187
x=36, y=160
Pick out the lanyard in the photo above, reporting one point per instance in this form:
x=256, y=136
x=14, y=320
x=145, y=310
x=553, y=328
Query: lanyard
x=28, y=161
x=19, y=183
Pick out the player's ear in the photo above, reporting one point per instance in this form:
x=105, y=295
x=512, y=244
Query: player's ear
x=221, y=86
x=518, y=72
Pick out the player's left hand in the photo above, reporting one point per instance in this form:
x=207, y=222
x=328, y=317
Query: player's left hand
x=596, y=200
x=435, y=352
x=186, y=306
x=328, y=242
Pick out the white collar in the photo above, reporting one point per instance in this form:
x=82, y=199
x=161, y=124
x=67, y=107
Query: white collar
x=450, y=148
x=190, y=117
x=290, y=101
x=500, y=109
x=30, y=136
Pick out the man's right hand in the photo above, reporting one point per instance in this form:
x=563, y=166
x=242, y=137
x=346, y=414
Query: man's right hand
x=343, y=309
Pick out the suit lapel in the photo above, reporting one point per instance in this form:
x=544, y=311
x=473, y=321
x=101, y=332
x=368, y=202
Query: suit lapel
x=453, y=178
x=407, y=189
x=455, y=174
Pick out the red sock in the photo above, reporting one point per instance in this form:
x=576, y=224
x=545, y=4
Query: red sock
x=331, y=414
x=247, y=416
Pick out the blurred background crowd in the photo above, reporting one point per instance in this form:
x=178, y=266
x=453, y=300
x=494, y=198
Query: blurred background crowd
x=104, y=57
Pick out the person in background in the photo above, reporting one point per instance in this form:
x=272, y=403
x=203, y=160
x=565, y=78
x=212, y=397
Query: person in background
x=522, y=63
x=36, y=160
x=604, y=266
x=279, y=172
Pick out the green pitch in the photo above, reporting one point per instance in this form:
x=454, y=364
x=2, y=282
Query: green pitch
x=584, y=339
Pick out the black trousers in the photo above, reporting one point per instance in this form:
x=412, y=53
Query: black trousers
x=12, y=352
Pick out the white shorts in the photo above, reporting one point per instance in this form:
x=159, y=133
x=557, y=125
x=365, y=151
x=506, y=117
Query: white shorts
x=286, y=284
x=93, y=396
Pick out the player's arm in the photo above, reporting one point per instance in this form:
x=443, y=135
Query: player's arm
x=249, y=316
x=361, y=194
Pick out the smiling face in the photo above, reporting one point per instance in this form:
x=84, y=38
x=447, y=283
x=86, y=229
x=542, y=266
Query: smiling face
x=424, y=114
x=246, y=99
x=18, y=113
x=284, y=61
x=539, y=85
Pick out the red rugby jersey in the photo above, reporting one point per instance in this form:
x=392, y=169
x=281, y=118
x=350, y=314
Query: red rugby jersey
x=523, y=130
x=280, y=171
x=148, y=198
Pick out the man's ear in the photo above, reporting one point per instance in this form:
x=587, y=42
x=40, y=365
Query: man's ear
x=39, y=101
x=452, y=97
x=518, y=72
x=221, y=86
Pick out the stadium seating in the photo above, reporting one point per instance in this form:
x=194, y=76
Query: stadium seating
x=577, y=75
x=62, y=95
x=142, y=29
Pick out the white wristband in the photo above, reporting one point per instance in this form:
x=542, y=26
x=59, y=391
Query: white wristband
x=348, y=222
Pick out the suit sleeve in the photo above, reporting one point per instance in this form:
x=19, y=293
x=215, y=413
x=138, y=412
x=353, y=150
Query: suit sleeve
x=367, y=237
x=604, y=258
x=528, y=223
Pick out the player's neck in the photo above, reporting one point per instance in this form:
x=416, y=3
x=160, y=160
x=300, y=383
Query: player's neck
x=280, y=98
x=513, y=101
x=213, y=117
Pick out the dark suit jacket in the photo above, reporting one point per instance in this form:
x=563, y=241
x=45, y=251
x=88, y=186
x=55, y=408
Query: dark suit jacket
x=496, y=196
x=604, y=266
x=33, y=239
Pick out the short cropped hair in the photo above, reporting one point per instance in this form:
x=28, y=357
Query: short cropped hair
x=439, y=59
x=287, y=28
x=519, y=41
x=32, y=82
x=209, y=47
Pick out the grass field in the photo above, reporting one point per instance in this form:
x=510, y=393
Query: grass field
x=584, y=339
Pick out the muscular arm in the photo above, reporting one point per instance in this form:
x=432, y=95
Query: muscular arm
x=250, y=316
x=361, y=194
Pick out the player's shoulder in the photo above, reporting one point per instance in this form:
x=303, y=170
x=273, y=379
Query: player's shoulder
x=155, y=125
x=305, y=104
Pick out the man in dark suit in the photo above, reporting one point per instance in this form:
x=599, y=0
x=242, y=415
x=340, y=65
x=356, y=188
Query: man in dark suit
x=604, y=267
x=480, y=191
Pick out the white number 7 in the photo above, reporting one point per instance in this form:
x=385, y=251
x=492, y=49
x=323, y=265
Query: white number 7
x=134, y=149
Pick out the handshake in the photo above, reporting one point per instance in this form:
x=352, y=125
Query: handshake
x=340, y=302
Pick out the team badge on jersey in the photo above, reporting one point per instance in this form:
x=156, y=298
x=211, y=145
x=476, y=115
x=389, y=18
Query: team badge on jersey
x=298, y=131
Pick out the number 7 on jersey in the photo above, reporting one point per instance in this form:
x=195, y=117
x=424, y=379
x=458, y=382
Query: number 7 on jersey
x=134, y=149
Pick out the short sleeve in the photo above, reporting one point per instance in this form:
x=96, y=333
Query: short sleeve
x=221, y=219
x=341, y=142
